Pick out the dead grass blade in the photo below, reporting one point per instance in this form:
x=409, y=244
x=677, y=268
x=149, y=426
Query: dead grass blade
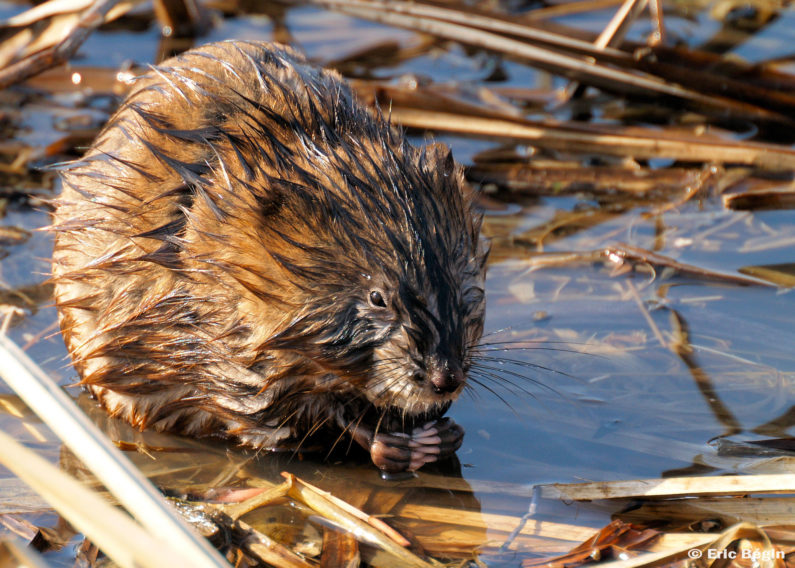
x=672, y=487
x=52, y=8
x=567, y=58
x=420, y=12
x=17, y=554
x=683, y=512
x=493, y=522
x=613, y=540
x=340, y=550
x=666, y=556
x=181, y=18
x=114, y=532
x=758, y=199
x=604, y=141
x=541, y=177
x=782, y=275
x=268, y=550
x=622, y=252
x=656, y=9
x=265, y=497
x=615, y=31
x=242, y=539
x=735, y=542
x=60, y=46
x=567, y=9
x=368, y=529
x=121, y=478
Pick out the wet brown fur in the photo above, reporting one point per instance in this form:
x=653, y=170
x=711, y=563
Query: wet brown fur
x=217, y=245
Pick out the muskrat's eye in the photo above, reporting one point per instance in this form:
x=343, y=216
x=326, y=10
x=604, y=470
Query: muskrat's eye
x=377, y=299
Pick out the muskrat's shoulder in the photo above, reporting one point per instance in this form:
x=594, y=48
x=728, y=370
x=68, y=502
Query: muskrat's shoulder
x=180, y=109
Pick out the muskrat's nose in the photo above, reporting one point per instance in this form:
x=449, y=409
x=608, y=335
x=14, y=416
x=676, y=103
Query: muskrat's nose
x=446, y=380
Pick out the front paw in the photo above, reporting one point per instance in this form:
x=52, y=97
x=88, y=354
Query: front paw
x=396, y=452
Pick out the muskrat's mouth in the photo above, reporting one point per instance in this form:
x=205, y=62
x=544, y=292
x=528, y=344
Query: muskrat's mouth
x=395, y=419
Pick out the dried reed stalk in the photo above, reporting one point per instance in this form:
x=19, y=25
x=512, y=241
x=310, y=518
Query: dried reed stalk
x=115, y=471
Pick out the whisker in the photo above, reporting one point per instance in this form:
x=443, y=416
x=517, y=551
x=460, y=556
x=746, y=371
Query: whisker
x=349, y=427
x=496, y=331
x=486, y=374
x=479, y=349
x=473, y=393
x=514, y=374
x=315, y=428
x=531, y=341
x=495, y=393
x=521, y=363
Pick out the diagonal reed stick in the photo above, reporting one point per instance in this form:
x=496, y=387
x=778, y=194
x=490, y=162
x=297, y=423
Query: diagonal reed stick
x=90, y=445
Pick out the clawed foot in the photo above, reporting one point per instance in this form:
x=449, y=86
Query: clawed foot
x=398, y=451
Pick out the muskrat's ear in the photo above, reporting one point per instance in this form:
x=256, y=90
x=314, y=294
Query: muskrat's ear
x=439, y=158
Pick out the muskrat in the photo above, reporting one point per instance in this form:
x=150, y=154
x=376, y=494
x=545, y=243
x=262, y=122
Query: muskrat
x=247, y=251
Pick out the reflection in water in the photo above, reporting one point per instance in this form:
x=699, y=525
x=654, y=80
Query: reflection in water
x=779, y=425
x=202, y=471
x=681, y=346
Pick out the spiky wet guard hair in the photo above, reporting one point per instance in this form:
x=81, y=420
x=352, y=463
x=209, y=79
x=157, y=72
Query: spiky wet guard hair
x=216, y=246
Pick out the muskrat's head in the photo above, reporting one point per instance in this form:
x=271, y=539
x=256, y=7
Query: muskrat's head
x=392, y=269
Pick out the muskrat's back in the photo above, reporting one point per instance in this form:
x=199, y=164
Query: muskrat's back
x=246, y=251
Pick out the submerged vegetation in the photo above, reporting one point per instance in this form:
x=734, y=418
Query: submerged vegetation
x=634, y=398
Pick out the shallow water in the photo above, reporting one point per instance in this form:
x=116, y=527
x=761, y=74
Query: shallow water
x=595, y=390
